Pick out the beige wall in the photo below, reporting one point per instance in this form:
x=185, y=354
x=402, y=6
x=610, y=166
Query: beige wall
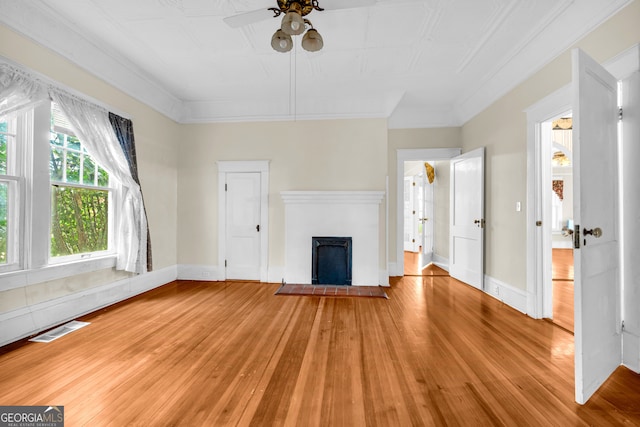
x=441, y=208
x=157, y=146
x=303, y=155
x=501, y=128
x=179, y=175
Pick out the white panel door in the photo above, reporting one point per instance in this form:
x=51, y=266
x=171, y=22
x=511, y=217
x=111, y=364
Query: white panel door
x=409, y=215
x=243, y=226
x=466, y=242
x=598, y=342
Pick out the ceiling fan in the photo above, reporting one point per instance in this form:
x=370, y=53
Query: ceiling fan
x=294, y=23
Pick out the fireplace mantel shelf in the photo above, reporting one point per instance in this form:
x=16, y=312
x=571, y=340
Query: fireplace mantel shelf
x=322, y=197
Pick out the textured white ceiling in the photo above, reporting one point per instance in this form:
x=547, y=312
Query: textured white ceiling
x=419, y=63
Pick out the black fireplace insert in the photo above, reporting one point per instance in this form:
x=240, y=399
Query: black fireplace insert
x=331, y=261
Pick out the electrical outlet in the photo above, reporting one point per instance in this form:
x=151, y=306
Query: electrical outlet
x=206, y=274
x=496, y=289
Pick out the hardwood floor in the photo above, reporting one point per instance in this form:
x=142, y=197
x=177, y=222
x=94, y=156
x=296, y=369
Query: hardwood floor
x=562, y=265
x=437, y=352
x=413, y=264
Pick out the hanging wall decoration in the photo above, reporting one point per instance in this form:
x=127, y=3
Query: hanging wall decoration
x=431, y=173
x=558, y=188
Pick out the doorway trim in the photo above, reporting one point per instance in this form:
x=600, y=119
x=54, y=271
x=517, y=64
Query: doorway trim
x=539, y=299
x=403, y=155
x=256, y=166
x=621, y=66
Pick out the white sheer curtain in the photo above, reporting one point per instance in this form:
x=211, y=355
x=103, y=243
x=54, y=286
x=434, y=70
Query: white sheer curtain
x=18, y=90
x=92, y=126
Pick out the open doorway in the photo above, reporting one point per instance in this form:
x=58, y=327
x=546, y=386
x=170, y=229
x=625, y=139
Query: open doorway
x=441, y=239
x=558, y=135
x=420, y=218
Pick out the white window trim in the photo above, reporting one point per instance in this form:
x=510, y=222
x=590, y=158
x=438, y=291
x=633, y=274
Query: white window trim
x=14, y=205
x=21, y=278
x=35, y=264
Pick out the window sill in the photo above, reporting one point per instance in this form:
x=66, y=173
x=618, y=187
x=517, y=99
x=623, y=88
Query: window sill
x=21, y=278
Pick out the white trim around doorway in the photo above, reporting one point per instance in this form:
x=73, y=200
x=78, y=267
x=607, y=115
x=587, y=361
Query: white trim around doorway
x=403, y=155
x=559, y=102
x=259, y=166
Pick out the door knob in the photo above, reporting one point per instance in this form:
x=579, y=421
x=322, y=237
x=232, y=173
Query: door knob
x=595, y=232
x=479, y=222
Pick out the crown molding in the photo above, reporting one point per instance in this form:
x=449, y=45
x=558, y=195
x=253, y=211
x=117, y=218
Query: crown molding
x=561, y=29
x=286, y=109
x=36, y=20
x=46, y=27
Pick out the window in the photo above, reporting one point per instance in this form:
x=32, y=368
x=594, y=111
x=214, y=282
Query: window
x=55, y=200
x=9, y=197
x=80, y=194
x=58, y=203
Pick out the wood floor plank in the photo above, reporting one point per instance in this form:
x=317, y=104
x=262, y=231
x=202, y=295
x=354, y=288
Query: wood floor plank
x=436, y=353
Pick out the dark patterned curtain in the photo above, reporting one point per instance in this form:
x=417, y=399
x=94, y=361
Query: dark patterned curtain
x=124, y=131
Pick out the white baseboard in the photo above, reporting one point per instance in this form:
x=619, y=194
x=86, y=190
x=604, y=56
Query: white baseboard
x=562, y=244
x=200, y=272
x=631, y=351
x=212, y=273
x=275, y=274
x=393, y=269
x=26, y=321
x=384, y=278
x=441, y=262
x=513, y=297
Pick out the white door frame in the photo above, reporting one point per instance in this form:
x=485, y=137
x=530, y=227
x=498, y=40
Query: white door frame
x=551, y=106
x=403, y=155
x=258, y=166
x=429, y=223
x=539, y=302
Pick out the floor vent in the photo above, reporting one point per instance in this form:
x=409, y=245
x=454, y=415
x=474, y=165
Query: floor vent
x=60, y=331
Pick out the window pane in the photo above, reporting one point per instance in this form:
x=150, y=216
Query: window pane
x=57, y=139
x=88, y=171
x=73, y=167
x=73, y=143
x=103, y=178
x=79, y=222
x=4, y=191
x=56, y=164
x=3, y=149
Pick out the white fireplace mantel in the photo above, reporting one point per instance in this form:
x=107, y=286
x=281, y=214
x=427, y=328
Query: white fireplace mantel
x=318, y=197
x=352, y=214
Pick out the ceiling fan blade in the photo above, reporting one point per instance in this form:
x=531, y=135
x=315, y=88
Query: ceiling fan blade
x=345, y=4
x=247, y=18
x=258, y=15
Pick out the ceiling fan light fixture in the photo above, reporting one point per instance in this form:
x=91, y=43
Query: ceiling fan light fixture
x=312, y=41
x=281, y=41
x=293, y=23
